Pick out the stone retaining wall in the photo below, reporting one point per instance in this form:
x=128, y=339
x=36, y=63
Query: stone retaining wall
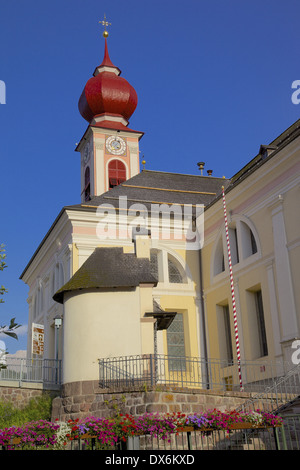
x=19, y=396
x=81, y=399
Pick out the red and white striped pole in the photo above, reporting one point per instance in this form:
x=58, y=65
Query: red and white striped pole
x=232, y=293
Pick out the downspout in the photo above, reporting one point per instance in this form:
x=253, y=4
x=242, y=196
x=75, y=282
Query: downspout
x=203, y=323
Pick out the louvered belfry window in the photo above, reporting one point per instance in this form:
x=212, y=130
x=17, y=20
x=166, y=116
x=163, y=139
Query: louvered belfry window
x=116, y=173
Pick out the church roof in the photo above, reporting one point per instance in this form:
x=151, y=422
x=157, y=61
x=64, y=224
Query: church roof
x=109, y=268
x=149, y=187
x=158, y=187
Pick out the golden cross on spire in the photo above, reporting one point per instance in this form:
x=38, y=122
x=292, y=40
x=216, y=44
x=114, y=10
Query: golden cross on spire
x=105, y=23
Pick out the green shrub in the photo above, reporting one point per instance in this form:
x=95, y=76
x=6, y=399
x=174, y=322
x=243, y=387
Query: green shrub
x=38, y=408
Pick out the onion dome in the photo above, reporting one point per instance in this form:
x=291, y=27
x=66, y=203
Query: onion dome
x=107, y=97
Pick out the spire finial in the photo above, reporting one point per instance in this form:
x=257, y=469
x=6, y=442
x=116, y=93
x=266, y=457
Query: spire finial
x=105, y=23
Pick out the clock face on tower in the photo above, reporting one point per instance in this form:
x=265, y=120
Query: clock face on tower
x=116, y=145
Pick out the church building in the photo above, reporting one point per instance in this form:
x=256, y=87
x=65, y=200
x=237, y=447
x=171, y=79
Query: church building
x=140, y=265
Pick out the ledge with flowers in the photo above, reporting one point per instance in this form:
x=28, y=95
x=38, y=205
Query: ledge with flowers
x=108, y=432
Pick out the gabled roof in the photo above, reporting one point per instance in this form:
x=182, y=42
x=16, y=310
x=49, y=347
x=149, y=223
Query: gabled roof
x=109, y=268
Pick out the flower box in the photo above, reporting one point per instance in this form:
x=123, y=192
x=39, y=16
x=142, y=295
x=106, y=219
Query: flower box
x=111, y=432
x=231, y=427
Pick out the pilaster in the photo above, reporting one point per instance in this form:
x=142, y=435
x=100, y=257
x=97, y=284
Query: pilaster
x=286, y=301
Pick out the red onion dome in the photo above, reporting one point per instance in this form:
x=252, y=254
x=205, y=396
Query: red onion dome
x=106, y=93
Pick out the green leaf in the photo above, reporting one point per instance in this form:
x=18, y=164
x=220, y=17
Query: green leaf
x=13, y=324
x=9, y=333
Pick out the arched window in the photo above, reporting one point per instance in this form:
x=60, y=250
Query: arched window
x=116, y=173
x=166, y=268
x=38, y=304
x=249, y=244
x=176, y=273
x=57, y=280
x=219, y=259
x=243, y=244
x=35, y=307
x=234, y=244
x=87, y=184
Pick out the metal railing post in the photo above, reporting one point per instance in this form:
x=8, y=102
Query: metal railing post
x=284, y=442
x=276, y=438
x=21, y=373
x=151, y=371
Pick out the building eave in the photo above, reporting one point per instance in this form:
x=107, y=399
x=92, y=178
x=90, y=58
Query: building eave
x=278, y=144
x=46, y=237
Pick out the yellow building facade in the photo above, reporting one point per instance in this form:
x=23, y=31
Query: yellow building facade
x=264, y=227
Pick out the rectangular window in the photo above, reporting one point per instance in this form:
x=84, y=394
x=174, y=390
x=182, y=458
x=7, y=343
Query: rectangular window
x=175, y=343
x=256, y=330
x=224, y=332
x=261, y=323
x=227, y=332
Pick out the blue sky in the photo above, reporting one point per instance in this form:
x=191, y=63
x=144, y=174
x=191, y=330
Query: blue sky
x=213, y=78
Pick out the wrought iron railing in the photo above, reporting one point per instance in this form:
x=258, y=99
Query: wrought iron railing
x=288, y=435
x=278, y=392
x=193, y=372
x=192, y=440
x=45, y=371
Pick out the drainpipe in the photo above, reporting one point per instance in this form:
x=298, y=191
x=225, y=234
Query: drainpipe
x=57, y=324
x=203, y=324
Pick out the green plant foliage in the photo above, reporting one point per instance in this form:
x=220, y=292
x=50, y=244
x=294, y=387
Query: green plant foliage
x=38, y=408
x=7, y=330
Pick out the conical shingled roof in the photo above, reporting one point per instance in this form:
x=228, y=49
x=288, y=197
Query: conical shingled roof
x=109, y=268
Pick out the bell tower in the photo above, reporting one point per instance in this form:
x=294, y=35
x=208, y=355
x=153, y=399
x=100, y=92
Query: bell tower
x=109, y=148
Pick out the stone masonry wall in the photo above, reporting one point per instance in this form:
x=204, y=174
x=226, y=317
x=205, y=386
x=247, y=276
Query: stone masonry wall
x=82, y=399
x=19, y=396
